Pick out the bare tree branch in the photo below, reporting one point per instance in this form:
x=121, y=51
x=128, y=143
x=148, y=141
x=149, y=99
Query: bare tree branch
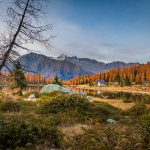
x=22, y=29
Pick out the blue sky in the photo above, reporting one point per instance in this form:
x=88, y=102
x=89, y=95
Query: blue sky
x=105, y=30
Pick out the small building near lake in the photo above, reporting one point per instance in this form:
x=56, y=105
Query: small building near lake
x=101, y=83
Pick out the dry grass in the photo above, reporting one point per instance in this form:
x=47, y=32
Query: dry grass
x=147, y=105
x=116, y=103
x=71, y=131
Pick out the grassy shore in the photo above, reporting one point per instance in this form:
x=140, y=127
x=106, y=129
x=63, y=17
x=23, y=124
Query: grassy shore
x=133, y=89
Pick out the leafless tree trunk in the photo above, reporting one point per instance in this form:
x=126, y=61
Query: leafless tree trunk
x=22, y=29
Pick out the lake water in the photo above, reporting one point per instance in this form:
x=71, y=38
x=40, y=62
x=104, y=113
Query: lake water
x=84, y=90
x=33, y=88
x=38, y=88
x=132, y=97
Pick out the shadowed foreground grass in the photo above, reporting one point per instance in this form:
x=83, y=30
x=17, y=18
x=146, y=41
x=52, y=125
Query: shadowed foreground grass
x=49, y=123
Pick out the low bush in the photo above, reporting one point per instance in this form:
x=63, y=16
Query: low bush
x=53, y=94
x=127, y=97
x=1, y=102
x=104, y=111
x=79, y=108
x=65, y=104
x=137, y=110
x=108, y=138
x=48, y=96
x=127, y=100
x=146, y=99
x=91, y=94
x=27, y=106
x=14, y=135
x=145, y=121
x=10, y=106
x=65, y=109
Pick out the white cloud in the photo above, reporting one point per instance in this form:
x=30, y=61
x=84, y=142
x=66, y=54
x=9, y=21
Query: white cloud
x=71, y=39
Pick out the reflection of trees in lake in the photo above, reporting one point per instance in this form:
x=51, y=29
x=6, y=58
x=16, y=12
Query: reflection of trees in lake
x=33, y=88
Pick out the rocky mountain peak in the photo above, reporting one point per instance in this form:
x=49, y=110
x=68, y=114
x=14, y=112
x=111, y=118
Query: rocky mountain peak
x=62, y=57
x=72, y=67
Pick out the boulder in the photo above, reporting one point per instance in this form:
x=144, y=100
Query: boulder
x=90, y=99
x=32, y=96
x=54, y=87
x=111, y=121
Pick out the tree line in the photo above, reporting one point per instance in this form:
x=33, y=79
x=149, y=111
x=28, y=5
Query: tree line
x=17, y=80
x=31, y=78
x=137, y=74
x=37, y=78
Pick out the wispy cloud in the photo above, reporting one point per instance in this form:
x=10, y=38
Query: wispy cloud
x=105, y=39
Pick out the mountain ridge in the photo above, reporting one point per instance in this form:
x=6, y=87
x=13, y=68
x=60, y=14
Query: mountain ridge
x=67, y=67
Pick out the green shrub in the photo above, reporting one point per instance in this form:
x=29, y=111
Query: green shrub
x=145, y=121
x=90, y=94
x=14, y=135
x=65, y=104
x=54, y=94
x=1, y=102
x=111, y=108
x=78, y=108
x=127, y=97
x=48, y=96
x=10, y=106
x=37, y=95
x=27, y=106
x=67, y=119
x=127, y=101
x=104, y=111
x=65, y=109
x=146, y=99
x=137, y=110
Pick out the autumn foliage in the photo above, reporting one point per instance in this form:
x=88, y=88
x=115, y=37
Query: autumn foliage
x=137, y=74
x=31, y=78
x=37, y=78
